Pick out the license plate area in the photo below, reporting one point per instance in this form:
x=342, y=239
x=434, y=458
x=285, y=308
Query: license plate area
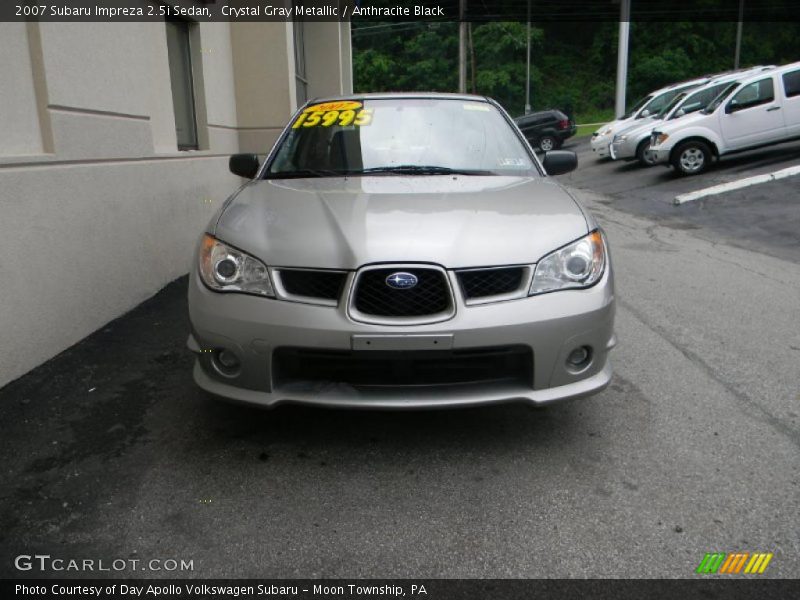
x=402, y=342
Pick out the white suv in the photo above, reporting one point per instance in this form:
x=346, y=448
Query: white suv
x=651, y=104
x=633, y=142
x=760, y=110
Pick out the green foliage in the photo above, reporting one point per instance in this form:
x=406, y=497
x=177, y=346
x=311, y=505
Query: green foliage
x=573, y=65
x=406, y=57
x=498, y=71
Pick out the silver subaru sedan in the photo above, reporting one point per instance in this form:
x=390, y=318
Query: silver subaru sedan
x=401, y=251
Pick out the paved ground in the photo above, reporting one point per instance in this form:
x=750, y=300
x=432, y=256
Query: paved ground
x=110, y=452
x=764, y=218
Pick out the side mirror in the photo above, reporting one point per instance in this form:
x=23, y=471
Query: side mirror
x=557, y=162
x=244, y=165
x=732, y=107
x=645, y=113
x=680, y=112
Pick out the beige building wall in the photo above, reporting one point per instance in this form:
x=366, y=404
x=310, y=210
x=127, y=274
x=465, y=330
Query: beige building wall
x=98, y=208
x=263, y=62
x=326, y=78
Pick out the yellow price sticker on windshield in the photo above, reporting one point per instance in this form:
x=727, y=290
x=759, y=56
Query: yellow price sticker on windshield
x=338, y=105
x=342, y=117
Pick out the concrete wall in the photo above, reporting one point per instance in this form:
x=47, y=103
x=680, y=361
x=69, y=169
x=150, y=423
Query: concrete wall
x=328, y=77
x=98, y=208
x=265, y=94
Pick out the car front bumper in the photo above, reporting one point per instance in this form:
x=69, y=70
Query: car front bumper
x=600, y=146
x=658, y=155
x=622, y=150
x=548, y=326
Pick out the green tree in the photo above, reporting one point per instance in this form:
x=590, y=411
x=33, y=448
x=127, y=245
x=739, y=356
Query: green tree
x=573, y=64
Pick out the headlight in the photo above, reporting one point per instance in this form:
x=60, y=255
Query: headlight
x=227, y=269
x=578, y=265
x=602, y=132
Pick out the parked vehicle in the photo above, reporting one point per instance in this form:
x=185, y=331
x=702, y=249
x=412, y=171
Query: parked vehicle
x=760, y=110
x=633, y=142
x=402, y=251
x=547, y=129
x=649, y=105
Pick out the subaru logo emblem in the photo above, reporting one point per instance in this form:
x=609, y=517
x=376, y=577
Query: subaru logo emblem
x=402, y=281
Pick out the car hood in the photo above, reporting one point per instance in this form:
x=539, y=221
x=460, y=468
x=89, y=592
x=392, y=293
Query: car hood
x=343, y=223
x=639, y=126
x=612, y=126
x=621, y=124
x=681, y=122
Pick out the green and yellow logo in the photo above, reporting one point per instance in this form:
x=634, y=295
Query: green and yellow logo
x=734, y=562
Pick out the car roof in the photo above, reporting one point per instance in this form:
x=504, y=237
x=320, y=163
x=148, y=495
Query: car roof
x=776, y=70
x=722, y=78
x=402, y=95
x=680, y=84
x=732, y=76
x=714, y=78
x=788, y=67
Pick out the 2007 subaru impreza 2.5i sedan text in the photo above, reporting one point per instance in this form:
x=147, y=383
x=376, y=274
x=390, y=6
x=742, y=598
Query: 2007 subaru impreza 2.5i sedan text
x=402, y=251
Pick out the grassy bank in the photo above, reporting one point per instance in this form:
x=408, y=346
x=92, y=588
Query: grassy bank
x=592, y=116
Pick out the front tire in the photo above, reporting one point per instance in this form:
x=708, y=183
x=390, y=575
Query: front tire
x=642, y=156
x=691, y=158
x=547, y=143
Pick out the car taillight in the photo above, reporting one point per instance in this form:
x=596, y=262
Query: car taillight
x=563, y=124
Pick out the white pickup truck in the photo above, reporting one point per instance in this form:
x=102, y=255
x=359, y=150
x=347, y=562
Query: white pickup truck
x=757, y=111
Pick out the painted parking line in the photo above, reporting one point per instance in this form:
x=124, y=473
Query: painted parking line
x=736, y=185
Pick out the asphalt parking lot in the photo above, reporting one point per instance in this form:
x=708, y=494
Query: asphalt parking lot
x=111, y=452
x=764, y=218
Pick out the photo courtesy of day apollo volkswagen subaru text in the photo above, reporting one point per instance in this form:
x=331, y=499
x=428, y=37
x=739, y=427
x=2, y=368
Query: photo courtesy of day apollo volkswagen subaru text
x=402, y=251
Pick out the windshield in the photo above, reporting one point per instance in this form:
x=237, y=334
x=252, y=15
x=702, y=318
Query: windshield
x=410, y=136
x=675, y=101
x=637, y=106
x=658, y=103
x=720, y=99
x=699, y=99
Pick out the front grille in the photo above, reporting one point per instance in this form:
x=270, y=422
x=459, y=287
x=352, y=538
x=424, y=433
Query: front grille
x=490, y=282
x=313, y=284
x=370, y=369
x=430, y=296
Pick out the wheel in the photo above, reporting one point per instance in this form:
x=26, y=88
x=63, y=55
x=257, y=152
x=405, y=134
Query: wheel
x=691, y=158
x=642, y=156
x=547, y=143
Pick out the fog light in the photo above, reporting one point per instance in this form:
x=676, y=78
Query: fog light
x=579, y=357
x=226, y=362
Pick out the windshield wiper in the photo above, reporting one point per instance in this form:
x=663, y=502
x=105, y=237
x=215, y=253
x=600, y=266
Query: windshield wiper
x=424, y=170
x=300, y=173
x=396, y=169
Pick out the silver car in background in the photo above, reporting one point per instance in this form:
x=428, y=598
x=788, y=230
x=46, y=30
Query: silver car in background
x=402, y=251
x=633, y=142
x=648, y=106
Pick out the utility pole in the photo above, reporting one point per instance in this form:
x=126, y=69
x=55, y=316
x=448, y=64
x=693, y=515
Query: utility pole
x=622, y=56
x=462, y=47
x=473, y=85
x=528, y=68
x=738, y=53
